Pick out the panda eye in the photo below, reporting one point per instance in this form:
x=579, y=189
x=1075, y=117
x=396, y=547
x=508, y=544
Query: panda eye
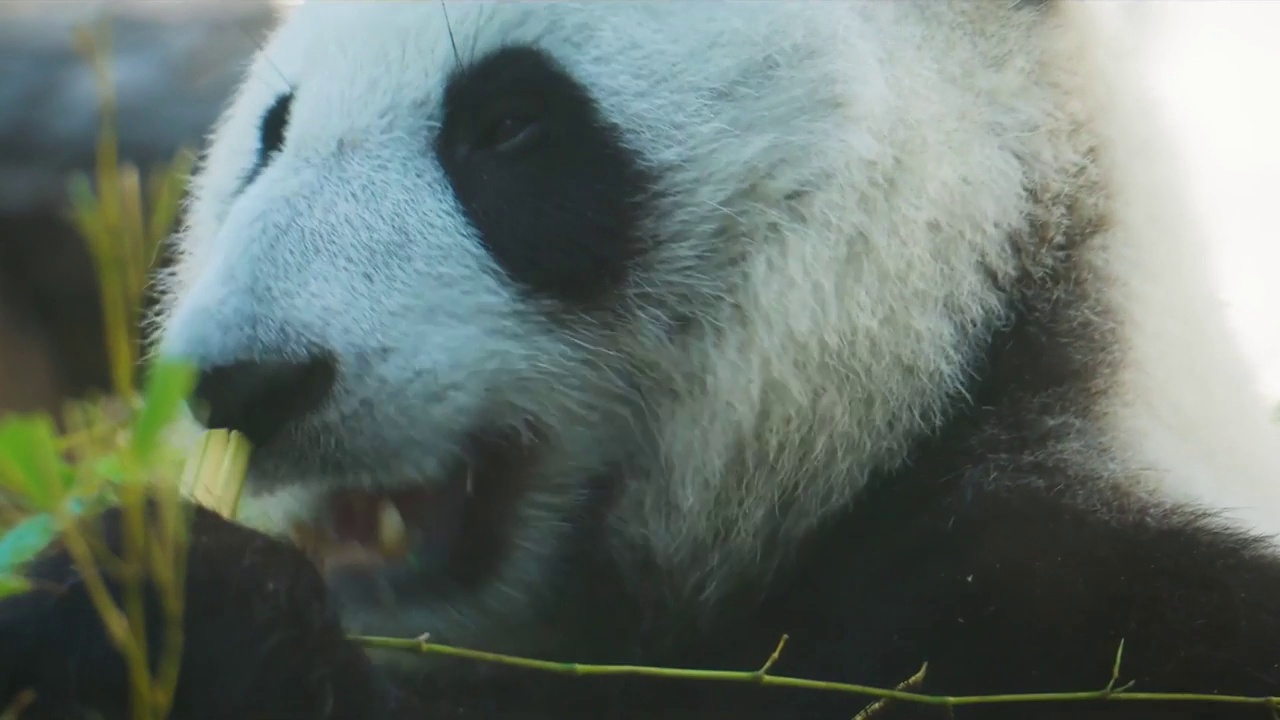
x=274, y=122
x=271, y=130
x=508, y=132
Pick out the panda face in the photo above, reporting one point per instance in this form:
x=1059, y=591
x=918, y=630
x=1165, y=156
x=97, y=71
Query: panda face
x=448, y=247
x=460, y=276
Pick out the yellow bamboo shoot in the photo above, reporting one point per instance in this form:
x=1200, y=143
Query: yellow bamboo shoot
x=215, y=473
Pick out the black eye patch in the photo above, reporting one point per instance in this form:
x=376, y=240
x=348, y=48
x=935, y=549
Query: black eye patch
x=271, y=133
x=555, y=195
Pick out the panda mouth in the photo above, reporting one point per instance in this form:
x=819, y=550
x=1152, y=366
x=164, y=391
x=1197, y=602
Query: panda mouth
x=427, y=535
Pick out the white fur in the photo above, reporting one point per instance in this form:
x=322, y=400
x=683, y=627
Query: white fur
x=842, y=177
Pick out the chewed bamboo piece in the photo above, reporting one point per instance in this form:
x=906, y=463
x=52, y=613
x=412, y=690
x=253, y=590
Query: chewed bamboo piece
x=215, y=473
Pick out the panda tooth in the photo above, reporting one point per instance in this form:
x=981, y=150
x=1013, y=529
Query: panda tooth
x=392, y=535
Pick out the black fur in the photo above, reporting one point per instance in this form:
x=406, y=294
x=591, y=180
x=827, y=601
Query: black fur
x=553, y=192
x=260, y=638
x=986, y=557
x=271, y=134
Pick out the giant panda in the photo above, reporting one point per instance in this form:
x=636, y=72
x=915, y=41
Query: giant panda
x=649, y=333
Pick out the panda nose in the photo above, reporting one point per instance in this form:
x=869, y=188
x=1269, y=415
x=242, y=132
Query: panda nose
x=259, y=399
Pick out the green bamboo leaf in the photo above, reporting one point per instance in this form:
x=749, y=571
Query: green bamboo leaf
x=29, y=461
x=14, y=480
x=167, y=388
x=22, y=542
x=110, y=468
x=13, y=585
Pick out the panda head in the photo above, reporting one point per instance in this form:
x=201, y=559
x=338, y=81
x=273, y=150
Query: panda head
x=683, y=273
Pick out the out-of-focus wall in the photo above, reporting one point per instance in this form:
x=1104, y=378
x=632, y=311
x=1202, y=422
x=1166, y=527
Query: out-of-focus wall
x=173, y=66
x=1216, y=69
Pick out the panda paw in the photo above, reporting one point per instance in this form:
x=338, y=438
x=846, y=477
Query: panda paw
x=260, y=639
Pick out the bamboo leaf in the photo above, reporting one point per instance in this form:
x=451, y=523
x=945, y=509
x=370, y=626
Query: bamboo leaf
x=13, y=585
x=167, y=387
x=22, y=542
x=29, y=461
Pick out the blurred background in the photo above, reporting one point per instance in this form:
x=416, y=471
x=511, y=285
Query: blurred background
x=1215, y=67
